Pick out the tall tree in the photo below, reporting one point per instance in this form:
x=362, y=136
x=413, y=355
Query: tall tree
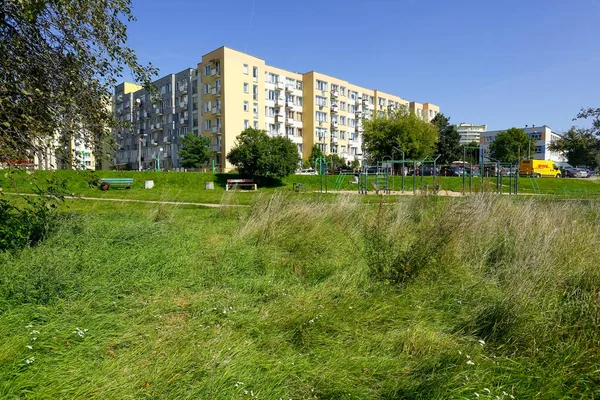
x=510, y=145
x=315, y=153
x=404, y=130
x=195, y=151
x=580, y=146
x=258, y=155
x=448, y=146
x=59, y=62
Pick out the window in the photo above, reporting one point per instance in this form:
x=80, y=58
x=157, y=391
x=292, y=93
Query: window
x=207, y=70
x=351, y=123
x=321, y=85
x=539, y=149
x=342, y=105
x=246, y=69
x=342, y=120
x=299, y=117
x=343, y=90
x=207, y=124
x=343, y=136
x=272, y=95
x=255, y=92
x=289, y=131
x=321, y=133
x=255, y=124
x=246, y=87
x=255, y=74
x=255, y=110
x=246, y=124
x=207, y=106
x=321, y=101
x=321, y=116
x=299, y=85
x=272, y=78
x=299, y=101
x=206, y=88
x=351, y=108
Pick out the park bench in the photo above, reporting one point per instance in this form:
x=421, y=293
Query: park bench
x=299, y=187
x=235, y=183
x=106, y=183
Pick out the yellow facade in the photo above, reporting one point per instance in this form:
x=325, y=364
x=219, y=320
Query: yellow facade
x=239, y=90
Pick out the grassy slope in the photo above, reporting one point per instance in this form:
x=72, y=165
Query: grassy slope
x=180, y=186
x=302, y=299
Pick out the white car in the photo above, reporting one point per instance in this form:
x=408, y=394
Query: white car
x=308, y=171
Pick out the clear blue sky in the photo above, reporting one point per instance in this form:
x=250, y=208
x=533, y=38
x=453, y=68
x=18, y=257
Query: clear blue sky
x=501, y=63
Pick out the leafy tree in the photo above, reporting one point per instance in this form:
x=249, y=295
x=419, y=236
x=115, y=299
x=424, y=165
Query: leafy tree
x=580, y=146
x=448, y=146
x=510, y=145
x=336, y=162
x=195, y=151
x=594, y=114
x=258, y=155
x=403, y=130
x=315, y=153
x=60, y=61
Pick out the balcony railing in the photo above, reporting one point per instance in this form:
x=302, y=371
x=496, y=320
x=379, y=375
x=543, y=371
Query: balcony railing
x=334, y=94
x=183, y=121
x=216, y=129
x=279, y=103
x=289, y=121
x=216, y=110
x=216, y=91
x=334, y=108
x=279, y=86
x=216, y=147
x=289, y=88
x=279, y=118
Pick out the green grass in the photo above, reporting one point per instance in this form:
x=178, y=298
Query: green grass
x=298, y=298
x=190, y=187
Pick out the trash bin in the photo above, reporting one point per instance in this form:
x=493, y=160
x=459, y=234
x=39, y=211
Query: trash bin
x=209, y=185
x=148, y=184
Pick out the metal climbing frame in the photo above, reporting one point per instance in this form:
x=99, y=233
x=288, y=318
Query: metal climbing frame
x=321, y=167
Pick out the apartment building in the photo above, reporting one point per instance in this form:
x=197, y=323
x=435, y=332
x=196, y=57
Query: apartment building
x=542, y=135
x=234, y=91
x=470, y=133
x=157, y=123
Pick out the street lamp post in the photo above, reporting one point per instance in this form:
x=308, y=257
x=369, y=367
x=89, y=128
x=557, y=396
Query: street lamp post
x=158, y=159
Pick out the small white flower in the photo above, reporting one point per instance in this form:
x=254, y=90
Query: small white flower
x=350, y=307
x=470, y=362
x=311, y=321
x=487, y=390
x=511, y=396
x=29, y=326
x=476, y=394
x=34, y=338
x=468, y=356
x=30, y=360
x=505, y=394
x=29, y=347
x=481, y=342
x=460, y=352
x=34, y=332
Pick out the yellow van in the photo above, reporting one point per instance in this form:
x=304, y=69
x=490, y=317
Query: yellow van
x=539, y=168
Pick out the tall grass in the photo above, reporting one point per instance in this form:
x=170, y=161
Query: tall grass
x=480, y=297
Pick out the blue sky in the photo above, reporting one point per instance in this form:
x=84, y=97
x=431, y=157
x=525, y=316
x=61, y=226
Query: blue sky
x=501, y=63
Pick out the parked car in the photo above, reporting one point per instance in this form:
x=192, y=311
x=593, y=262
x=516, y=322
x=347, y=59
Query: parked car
x=452, y=170
x=575, y=173
x=428, y=171
x=583, y=172
x=308, y=171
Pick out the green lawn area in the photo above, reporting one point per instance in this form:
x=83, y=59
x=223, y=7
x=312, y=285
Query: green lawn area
x=299, y=298
x=190, y=186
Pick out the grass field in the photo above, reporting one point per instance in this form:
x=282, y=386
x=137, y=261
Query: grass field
x=190, y=187
x=478, y=297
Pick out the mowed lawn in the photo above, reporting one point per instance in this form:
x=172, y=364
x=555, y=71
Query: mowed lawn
x=191, y=186
x=478, y=297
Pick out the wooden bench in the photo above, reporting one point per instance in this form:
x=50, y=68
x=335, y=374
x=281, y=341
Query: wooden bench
x=106, y=183
x=299, y=187
x=235, y=183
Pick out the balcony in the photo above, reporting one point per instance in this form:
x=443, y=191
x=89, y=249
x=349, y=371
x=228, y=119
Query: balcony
x=289, y=104
x=289, y=88
x=154, y=143
x=158, y=110
x=279, y=119
x=167, y=140
x=216, y=91
x=289, y=121
x=216, y=110
x=183, y=104
x=216, y=72
x=279, y=103
x=217, y=147
x=334, y=140
x=120, y=98
x=279, y=86
x=216, y=129
x=334, y=124
x=334, y=108
x=183, y=88
x=183, y=121
x=334, y=94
